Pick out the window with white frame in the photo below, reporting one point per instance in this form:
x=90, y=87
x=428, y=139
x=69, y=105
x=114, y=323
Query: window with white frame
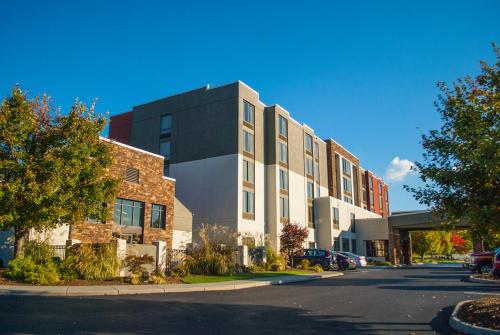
x=248, y=171
x=283, y=179
x=309, y=143
x=283, y=157
x=347, y=185
x=283, y=126
x=248, y=202
x=310, y=190
x=284, y=207
x=346, y=167
x=247, y=141
x=248, y=112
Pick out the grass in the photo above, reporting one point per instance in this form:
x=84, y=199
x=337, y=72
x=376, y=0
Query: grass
x=198, y=279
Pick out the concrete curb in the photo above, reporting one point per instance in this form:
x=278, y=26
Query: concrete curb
x=484, y=281
x=149, y=289
x=467, y=328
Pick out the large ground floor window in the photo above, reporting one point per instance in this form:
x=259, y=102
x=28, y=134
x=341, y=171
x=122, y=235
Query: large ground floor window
x=128, y=213
x=377, y=248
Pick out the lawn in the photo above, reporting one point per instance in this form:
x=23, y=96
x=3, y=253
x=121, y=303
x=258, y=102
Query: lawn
x=198, y=279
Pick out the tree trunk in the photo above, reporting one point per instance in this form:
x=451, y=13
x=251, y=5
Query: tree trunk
x=21, y=237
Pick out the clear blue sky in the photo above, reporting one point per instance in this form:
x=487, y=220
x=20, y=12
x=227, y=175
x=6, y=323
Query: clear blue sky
x=362, y=72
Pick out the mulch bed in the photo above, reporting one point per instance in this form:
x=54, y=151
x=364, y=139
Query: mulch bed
x=483, y=312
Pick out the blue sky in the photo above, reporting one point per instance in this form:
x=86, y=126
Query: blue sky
x=361, y=72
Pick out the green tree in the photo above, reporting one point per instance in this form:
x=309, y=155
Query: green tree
x=420, y=243
x=435, y=243
x=447, y=243
x=51, y=165
x=461, y=161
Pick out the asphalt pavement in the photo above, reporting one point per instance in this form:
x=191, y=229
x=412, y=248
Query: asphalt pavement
x=389, y=301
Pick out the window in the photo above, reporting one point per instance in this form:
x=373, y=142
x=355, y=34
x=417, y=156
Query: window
x=248, y=171
x=316, y=172
x=348, y=199
x=370, y=183
x=345, y=244
x=310, y=190
x=284, y=207
x=128, y=213
x=380, y=202
x=283, y=126
x=165, y=152
x=318, y=191
x=283, y=179
x=371, y=199
x=377, y=248
x=335, y=218
x=354, y=247
x=283, y=152
x=165, y=124
x=309, y=143
x=336, y=244
x=353, y=223
x=316, y=150
x=364, y=196
x=309, y=167
x=158, y=216
x=312, y=245
x=94, y=219
x=310, y=216
x=347, y=185
x=346, y=167
x=247, y=141
x=248, y=202
x=248, y=112
x=380, y=189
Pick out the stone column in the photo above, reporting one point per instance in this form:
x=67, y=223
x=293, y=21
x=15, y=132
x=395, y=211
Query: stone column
x=161, y=255
x=243, y=259
x=121, y=251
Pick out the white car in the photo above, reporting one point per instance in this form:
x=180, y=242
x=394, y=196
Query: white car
x=360, y=260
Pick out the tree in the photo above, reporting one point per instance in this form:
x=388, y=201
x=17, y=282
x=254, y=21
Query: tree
x=461, y=243
x=292, y=239
x=420, y=243
x=447, y=245
x=460, y=168
x=52, y=166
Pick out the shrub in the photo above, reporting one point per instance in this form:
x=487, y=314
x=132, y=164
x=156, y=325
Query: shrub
x=135, y=278
x=181, y=270
x=40, y=252
x=275, y=262
x=304, y=264
x=136, y=263
x=158, y=277
x=24, y=268
x=316, y=268
x=96, y=261
x=67, y=268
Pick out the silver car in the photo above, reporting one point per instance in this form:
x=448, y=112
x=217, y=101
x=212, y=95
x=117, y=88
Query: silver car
x=360, y=260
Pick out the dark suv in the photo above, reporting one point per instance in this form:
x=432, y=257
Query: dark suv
x=317, y=256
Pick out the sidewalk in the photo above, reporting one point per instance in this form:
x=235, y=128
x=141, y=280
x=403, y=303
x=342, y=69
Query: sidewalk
x=168, y=288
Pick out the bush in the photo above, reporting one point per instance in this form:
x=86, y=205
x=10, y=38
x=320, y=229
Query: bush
x=40, y=252
x=316, y=268
x=180, y=271
x=67, y=268
x=158, y=277
x=136, y=263
x=135, y=279
x=304, y=264
x=275, y=262
x=24, y=268
x=96, y=261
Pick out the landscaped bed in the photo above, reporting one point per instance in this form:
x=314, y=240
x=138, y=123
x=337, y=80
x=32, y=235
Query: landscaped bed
x=197, y=279
x=483, y=312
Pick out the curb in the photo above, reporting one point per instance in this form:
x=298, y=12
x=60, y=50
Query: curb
x=467, y=328
x=150, y=289
x=484, y=281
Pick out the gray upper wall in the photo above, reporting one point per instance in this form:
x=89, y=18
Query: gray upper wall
x=204, y=123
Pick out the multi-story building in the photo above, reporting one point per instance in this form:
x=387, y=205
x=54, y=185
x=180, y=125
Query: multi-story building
x=249, y=166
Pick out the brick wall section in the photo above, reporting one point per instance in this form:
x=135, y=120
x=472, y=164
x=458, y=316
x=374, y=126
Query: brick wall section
x=333, y=184
x=120, y=128
x=152, y=188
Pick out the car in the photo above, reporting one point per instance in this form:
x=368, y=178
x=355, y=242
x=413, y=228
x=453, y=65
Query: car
x=352, y=262
x=317, y=257
x=481, y=262
x=360, y=260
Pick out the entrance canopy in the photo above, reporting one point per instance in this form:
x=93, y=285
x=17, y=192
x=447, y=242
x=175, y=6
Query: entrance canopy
x=418, y=220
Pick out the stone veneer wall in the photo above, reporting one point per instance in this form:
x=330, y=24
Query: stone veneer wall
x=152, y=188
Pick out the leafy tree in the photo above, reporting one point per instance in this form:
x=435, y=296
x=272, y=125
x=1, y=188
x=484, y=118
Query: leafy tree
x=447, y=246
x=292, y=239
x=51, y=165
x=461, y=161
x=436, y=243
x=420, y=243
x=461, y=243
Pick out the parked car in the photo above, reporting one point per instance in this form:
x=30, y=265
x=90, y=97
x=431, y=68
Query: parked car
x=482, y=262
x=352, y=262
x=360, y=260
x=317, y=256
x=496, y=264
